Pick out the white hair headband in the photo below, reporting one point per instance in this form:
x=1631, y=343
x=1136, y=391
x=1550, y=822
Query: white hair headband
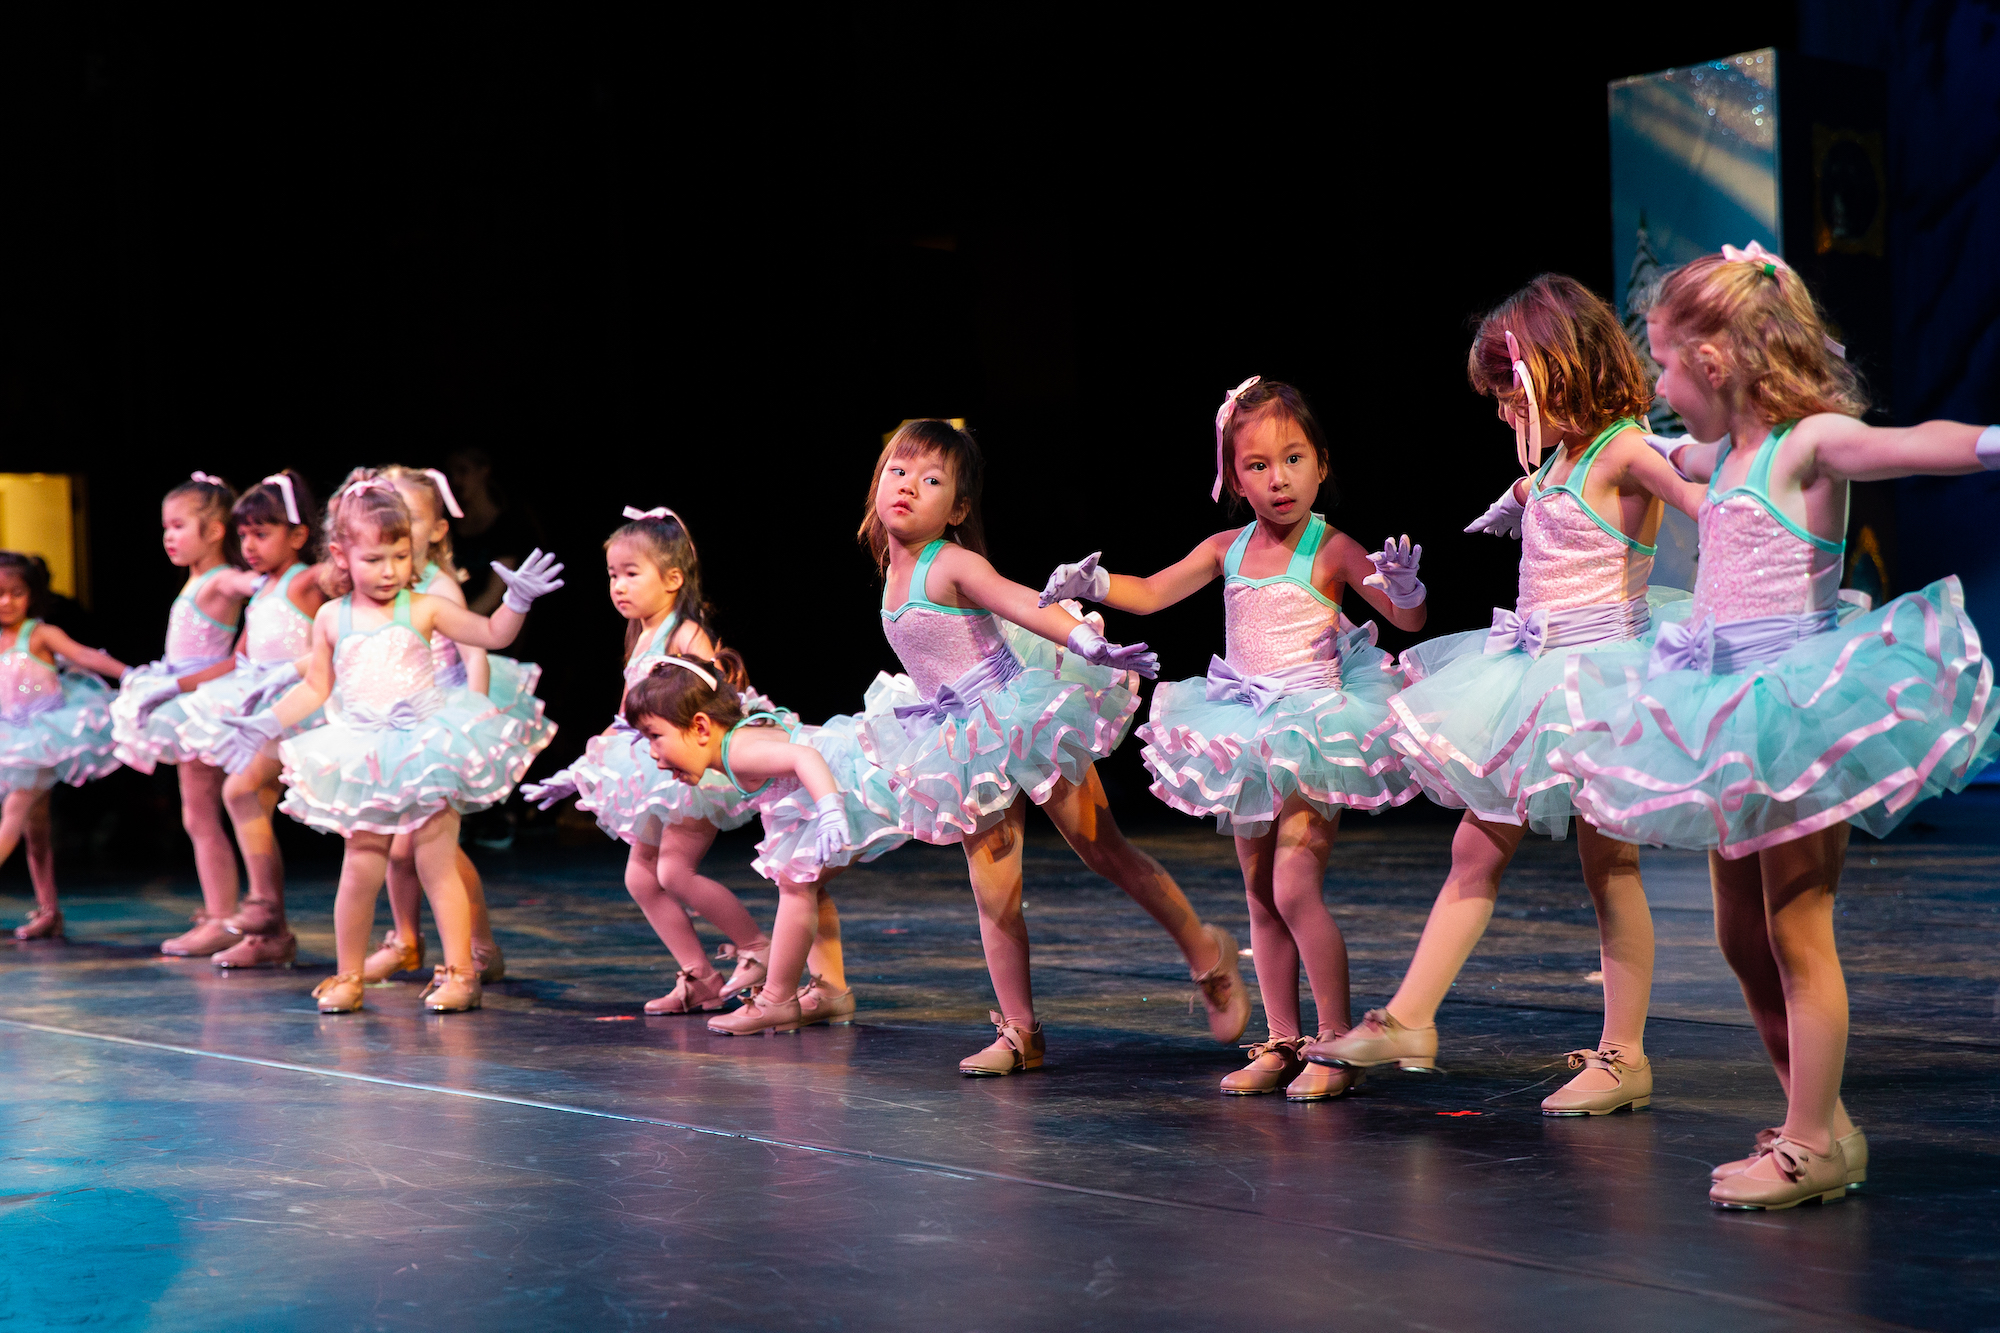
x=707, y=677
x=444, y=490
x=1222, y=416
x=284, y=483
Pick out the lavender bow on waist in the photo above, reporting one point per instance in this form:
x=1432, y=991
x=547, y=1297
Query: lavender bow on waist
x=1540, y=629
x=1733, y=645
x=961, y=696
x=399, y=716
x=1260, y=692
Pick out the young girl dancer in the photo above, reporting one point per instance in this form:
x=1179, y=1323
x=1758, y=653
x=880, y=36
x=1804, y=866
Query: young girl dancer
x=55, y=726
x=277, y=528
x=824, y=806
x=987, y=715
x=1478, y=725
x=508, y=683
x=655, y=579
x=1763, y=726
x=146, y=716
x=398, y=753
x=1289, y=728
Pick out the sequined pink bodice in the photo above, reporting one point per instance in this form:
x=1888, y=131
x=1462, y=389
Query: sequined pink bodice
x=379, y=669
x=447, y=663
x=1568, y=561
x=1752, y=566
x=28, y=685
x=192, y=636
x=274, y=629
x=936, y=647
x=1274, y=625
x=651, y=652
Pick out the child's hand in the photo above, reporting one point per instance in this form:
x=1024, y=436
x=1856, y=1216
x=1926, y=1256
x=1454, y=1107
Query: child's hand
x=151, y=692
x=535, y=578
x=1088, y=644
x=1396, y=572
x=830, y=828
x=559, y=786
x=243, y=739
x=1082, y=579
x=1503, y=518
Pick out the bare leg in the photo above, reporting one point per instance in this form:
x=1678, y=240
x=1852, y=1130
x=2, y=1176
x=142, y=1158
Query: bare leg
x=406, y=891
x=1625, y=947
x=1304, y=841
x=792, y=936
x=437, y=854
x=1083, y=816
x=25, y=815
x=1271, y=945
x=682, y=847
x=1480, y=852
x=825, y=961
x=251, y=797
x=214, y=858
x=1799, y=882
x=667, y=917
x=361, y=873
x=475, y=899
x=993, y=859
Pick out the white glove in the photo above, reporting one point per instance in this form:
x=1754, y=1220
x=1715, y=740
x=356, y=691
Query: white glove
x=1396, y=573
x=1082, y=579
x=830, y=828
x=151, y=692
x=1503, y=518
x=143, y=670
x=1665, y=446
x=1088, y=644
x=558, y=786
x=535, y=578
x=243, y=739
x=270, y=691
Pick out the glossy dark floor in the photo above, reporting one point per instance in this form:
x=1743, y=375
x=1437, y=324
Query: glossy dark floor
x=188, y=1150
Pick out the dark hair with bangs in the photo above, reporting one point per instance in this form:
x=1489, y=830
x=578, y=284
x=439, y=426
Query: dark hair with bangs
x=265, y=503
x=673, y=694
x=667, y=543
x=214, y=499
x=1275, y=396
x=31, y=570
x=927, y=438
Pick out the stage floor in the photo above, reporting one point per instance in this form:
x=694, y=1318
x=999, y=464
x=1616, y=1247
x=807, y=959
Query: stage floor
x=192, y=1150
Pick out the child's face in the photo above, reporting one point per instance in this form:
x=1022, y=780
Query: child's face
x=188, y=536
x=687, y=752
x=639, y=589
x=13, y=599
x=380, y=569
x=1688, y=388
x=917, y=498
x=1277, y=469
x=427, y=526
x=269, y=547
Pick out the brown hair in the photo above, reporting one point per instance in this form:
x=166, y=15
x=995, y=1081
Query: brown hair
x=673, y=694
x=355, y=509
x=923, y=439
x=31, y=570
x=667, y=542
x=214, y=499
x=265, y=503
x=440, y=550
x=1586, y=373
x=1767, y=330
x=1273, y=396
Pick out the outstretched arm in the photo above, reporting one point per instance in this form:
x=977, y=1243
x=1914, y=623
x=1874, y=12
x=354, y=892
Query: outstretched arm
x=767, y=752
x=1847, y=450
x=1144, y=596
x=974, y=581
x=1635, y=465
x=300, y=701
x=47, y=638
x=465, y=627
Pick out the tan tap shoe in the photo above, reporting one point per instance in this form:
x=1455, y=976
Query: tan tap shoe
x=394, y=956
x=821, y=1003
x=1378, y=1039
x=1853, y=1147
x=1319, y=1083
x=1273, y=1064
x=1221, y=989
x=1014, y=1050
x=752, y=963
x=1784, y=1177
x=256, y=916
x=278, y=950
x=44, y=923
x=208, y=936
x=691, y=994
x=1634, y=1087
x=492, y=964
x=452, y=990
x=760, y=1013
x=339, y=994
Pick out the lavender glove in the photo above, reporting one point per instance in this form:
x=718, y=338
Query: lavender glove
x=1088, y=644
x=1503, y=518
x=270, y=691
x=1665, y=446
x=830, y=827
x=1987, y=448
x=143, y=670
x=151, y=692
x=1082, y=579
x=243, y=739
x=535, y=578
x=559, y=786
x=1396, y=573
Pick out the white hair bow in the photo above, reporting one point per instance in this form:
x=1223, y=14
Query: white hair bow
x=1527, y=434
x=444, y=492
x=284, y=484
x=1222, y=416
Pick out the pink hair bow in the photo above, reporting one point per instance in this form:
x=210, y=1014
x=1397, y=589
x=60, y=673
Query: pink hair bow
x=1754, y=253
x=1528, y=432
x=284, y=484
x=444, y=490
x=1222, y=416
x=207, y=480
x=368, y=484
x=659, y=512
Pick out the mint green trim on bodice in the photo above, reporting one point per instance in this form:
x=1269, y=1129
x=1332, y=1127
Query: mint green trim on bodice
x=1757, y=485
x=1573, y=483
x=920, y=585
x=21, y=636
x=1298, y=570
x=279, y=585
x=656, y=645
x=192, y=590
x=400, y=615
x=730, y=735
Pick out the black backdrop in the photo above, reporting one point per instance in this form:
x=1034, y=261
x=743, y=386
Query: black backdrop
x=709, y=267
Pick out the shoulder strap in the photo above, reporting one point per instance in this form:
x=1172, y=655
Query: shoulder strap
x=1234, y=559
x=1582, y=469
x=1759, y=479
x=730, y=735
x=402, y=612
x=24, y=633
x=920, y=577
x=345, y=623
x=1301, y=566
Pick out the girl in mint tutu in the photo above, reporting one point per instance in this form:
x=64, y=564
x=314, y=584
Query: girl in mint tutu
x=55, y=726
x=277, y=530
x=146, y=716
x=398, y=753
x=1484, y=710
x=1773, y=717
x=992, y=715
x=1290, y=727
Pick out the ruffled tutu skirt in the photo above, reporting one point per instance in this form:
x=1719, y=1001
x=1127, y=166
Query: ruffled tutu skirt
x=1859, y=723
x=873, y=811
x=1240, y=763
x=202, y=711
x=634, y=799
x=465, y=756
x=1476, y=730
x=69, y=743
x=510, y=684
x=959, y=775
x=158, y=741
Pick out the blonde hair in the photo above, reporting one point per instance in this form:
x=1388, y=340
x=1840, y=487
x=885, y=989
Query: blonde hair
x=440, y=550
x=1767, y=332
x=1586, y=373
x=356, y=508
